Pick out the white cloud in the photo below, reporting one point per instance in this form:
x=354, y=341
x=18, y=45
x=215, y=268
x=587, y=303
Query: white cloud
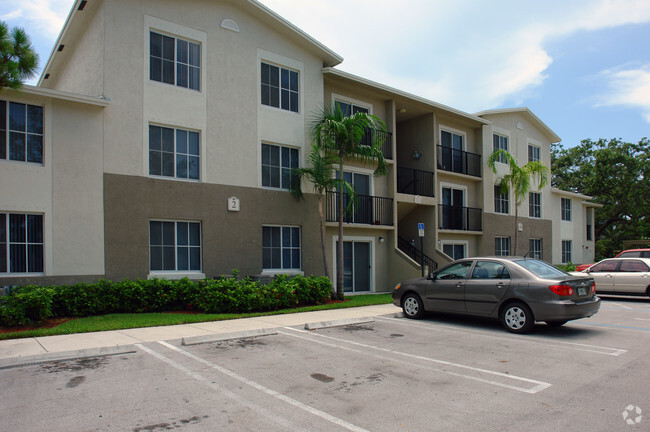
x=41, y=18
x=11, y=15
x=629, y=88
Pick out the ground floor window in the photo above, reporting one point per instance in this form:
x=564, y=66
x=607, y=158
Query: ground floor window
x=502, y=246
x=174, y=246
x=21, y=243
x=535, y=248
x=566, y=251
x=281, y=248
x=454, y=250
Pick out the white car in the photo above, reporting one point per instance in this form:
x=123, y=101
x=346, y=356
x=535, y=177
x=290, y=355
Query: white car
x=621, y=276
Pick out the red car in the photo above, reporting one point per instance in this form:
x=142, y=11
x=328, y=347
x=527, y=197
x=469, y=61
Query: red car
x=630, y=253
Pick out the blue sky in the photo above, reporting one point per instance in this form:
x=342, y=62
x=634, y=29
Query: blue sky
x=582, y=66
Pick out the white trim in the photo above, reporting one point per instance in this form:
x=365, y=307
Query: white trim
x=175, y=275
x=443, y=128
x=360, y=239
x=465, y=243
x=281, y=62
x=348, y=100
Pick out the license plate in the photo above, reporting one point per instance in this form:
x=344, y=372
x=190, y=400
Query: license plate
x=582, y=291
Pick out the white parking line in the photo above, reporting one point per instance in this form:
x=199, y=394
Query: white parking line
x=621, y=305
x=311, y=410
x=221, y=390
x=642, y=319
x=571, y=345
x=538, y=385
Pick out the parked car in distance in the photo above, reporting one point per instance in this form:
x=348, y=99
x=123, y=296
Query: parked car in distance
x=621, y=275
x=630, y=253
x=517, y=291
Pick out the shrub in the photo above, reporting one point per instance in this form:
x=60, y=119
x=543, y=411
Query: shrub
x=27, y=305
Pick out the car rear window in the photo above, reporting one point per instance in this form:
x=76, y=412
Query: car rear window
x=633, y=266
x=541, y=269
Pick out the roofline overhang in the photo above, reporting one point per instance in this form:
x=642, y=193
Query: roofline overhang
x=552, y=136
x=587, y=200
x=360, y=80
x=62, y=95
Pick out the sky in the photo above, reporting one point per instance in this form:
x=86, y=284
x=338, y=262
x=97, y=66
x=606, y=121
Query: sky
x=582, y=66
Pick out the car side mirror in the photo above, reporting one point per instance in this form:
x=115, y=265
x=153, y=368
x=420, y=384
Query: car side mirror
x=431, y=276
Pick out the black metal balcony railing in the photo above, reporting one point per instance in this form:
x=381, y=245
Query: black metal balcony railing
x=367, y=210
x=459, y=161
x=385, y=138
x=415, y=182
x=416, y=254
x=460, y=218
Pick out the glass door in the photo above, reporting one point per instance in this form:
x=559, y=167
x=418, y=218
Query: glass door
x=356, y=266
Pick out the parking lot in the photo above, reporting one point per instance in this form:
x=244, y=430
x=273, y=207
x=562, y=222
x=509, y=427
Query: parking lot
x=437, y=374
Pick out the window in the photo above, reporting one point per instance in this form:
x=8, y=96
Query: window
x=279, y=87
x=455, y=271
x=174, y=246
x=501, y=201
x=21, y=243
x=500, y=142
x=533, y=153
x=589, y=233
x=277, y=164
x=349, y=109
x=566, y=209
x=455, y=251
x=490, y=270
x=174, y=61
x=604, y=266
x=502, y=246
x=281, y=248
x=173, y=152
x=535, y=205
x=21, y=132
x=535, y=248
x=633, y=266
x=566, y=251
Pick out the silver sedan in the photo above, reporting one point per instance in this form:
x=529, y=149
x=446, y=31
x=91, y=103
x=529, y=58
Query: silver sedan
x=517, y=291
x=621, y=275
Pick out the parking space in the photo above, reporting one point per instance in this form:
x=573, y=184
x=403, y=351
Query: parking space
x=439, y=373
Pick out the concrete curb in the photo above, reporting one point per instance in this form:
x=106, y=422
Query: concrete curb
x=337, y=323
x=14, y=362
x=196, y=340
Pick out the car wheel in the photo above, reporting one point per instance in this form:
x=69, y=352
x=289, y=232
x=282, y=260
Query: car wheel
x=412, y=306
x=555, y=323
x=516, y=317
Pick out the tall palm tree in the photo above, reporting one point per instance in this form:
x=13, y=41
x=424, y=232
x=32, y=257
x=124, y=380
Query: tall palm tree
x=343, y=137
x=18, y=60
x=519, y=180
x=319, y=171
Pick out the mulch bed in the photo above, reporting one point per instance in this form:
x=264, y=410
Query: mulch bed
x=50, y=323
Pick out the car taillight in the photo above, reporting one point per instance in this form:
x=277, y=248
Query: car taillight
x=562, y=290
x=593, y=288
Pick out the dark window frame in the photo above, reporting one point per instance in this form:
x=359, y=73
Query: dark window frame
x=177, y=241
x=22, y=245
x=279, y=87
x=21, y=132
x=174, y=60
x=281, y=248
x=278, y=162
x=174, y=153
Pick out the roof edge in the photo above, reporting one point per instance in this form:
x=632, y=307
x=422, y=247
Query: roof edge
x=63, y=95
x=549, y=132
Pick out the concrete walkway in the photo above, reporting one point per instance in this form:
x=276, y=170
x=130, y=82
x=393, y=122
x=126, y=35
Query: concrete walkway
x=47, y=348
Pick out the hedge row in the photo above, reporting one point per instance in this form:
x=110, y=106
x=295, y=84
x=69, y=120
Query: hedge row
x=32, y=304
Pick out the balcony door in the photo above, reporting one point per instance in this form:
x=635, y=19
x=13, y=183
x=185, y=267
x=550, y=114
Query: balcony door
x=453, y=201
x=362, y=212
x=452, y=151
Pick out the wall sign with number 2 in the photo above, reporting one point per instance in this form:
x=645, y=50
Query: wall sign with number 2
x=233, y=204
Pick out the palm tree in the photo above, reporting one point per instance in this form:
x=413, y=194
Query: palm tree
x=320, y=173
x=344, y=137
x=18, y=60
x=519, y=179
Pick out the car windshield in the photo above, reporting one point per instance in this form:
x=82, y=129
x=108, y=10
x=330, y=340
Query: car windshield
x=541, y=269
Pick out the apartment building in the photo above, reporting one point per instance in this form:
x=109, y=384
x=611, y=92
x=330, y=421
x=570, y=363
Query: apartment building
x=160, y=139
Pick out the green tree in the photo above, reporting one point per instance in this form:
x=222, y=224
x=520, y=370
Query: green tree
x=359, y=136
x=319, y=171
x=617, y=175
x=18, y=60
x=519, y=180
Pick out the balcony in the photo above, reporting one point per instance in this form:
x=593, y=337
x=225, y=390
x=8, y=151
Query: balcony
x=367, y=210
x=415, y=182
x=386, y=141
x=459, y=161
x=460, y=218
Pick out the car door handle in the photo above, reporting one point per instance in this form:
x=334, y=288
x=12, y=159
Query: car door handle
x=501, y=285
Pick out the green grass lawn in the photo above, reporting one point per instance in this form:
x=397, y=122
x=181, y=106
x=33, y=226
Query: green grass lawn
x=135, y=320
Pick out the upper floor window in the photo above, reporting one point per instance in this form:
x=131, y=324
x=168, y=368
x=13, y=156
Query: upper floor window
x=21, y=132
x=173, y=152
x=500, y=142
x=535, y=205
x=349, y=109
x=21, y=243
x=501, y=201
x=279, y=87
x=174, y=246
x=277, y=164
x=174, y=61
x=502, y=246
x=566, y=209
x=533, y=153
